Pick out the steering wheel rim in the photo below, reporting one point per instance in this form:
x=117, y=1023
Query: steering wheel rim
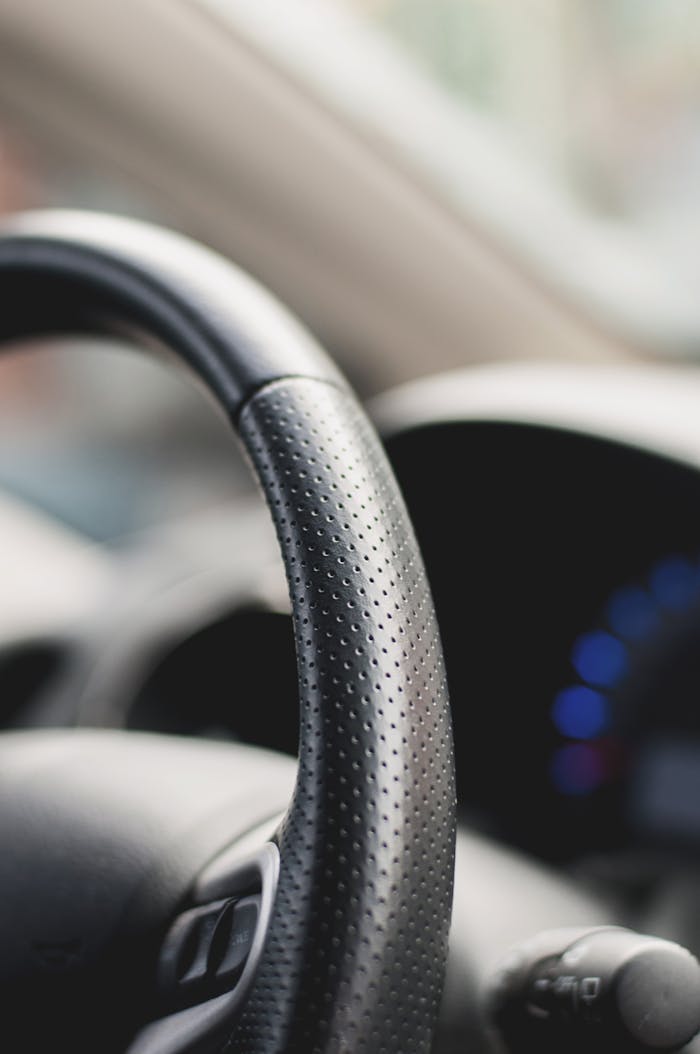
x=355, y=953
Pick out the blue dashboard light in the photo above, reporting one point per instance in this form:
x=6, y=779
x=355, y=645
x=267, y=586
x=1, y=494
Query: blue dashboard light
x=599, y=658
x=674, y=583
x=577, y=769
x=632, y=613
x=580, y=712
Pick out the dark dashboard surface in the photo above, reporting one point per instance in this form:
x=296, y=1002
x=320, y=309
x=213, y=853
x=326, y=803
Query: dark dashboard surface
x=566, y=572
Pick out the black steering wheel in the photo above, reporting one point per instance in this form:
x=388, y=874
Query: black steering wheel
x=354, y=949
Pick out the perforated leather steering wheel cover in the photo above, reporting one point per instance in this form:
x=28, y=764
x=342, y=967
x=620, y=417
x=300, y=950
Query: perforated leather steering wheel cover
x=357, y=946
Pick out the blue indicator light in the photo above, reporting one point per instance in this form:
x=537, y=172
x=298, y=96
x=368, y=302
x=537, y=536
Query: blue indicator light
x=599, y=658
x=580, y=712
x=577, y=769
x=631, y=613
x=674, y=583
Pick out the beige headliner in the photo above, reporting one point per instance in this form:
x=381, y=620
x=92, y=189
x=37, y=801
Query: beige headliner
x=236, y=152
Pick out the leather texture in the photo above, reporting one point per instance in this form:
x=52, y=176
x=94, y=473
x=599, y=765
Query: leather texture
x=357, y=947
x=354, y=961
x=89, y=273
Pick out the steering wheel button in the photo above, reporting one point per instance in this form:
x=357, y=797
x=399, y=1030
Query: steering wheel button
x=192, y=966
x=232, y=946
x=184, y=962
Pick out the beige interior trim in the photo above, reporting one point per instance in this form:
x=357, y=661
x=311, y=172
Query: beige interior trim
x=230, y=148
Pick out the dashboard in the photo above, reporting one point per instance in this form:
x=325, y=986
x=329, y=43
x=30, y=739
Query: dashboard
x=566, y=572
x=565, y=562
x=558, y=510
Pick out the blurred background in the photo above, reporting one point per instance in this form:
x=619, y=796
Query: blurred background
x=427, y=183
x=509, y=185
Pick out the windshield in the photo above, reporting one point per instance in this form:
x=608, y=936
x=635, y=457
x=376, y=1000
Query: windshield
x=570, y=129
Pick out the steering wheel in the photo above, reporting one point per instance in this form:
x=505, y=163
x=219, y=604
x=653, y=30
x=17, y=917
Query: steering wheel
x=354, y=887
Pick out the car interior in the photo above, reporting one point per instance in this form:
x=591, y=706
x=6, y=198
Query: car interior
x=350, y=507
